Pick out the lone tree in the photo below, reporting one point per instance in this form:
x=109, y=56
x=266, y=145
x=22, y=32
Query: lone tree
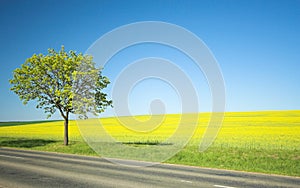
x=68, y=82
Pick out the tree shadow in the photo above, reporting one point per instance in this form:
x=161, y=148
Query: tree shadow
x=146, y=143
x=24, y=142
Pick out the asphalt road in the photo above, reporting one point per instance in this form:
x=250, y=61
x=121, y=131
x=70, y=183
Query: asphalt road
x=19, y=168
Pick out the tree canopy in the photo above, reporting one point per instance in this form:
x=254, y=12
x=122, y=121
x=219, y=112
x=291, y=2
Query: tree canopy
x=63, y=81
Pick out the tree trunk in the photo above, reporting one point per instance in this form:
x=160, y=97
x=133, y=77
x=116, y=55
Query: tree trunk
x=66, y=132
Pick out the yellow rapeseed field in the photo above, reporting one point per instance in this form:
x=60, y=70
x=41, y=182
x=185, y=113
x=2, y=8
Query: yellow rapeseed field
x=271, y=129
x=48, y=130
x=252, y=141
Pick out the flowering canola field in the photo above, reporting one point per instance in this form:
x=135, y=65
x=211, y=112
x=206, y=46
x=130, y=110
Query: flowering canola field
x=266, y=141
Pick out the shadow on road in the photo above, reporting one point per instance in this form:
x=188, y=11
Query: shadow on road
x=24, y=143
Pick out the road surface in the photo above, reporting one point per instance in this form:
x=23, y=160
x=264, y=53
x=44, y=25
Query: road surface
x=19, y=168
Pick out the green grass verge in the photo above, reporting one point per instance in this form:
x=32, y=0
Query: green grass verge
x=275, y=161
x=271, y=161
x=74, y=147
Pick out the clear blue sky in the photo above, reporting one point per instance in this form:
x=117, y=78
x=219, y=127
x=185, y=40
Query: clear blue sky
x=256, y=43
